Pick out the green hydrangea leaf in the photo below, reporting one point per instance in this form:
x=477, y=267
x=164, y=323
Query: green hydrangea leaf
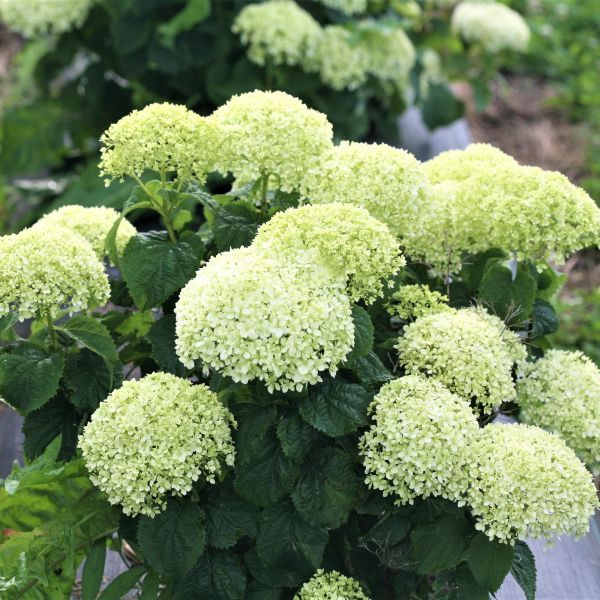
x=235, y=225
x=154, y=268
x=162, y=338
x=363, y=333
x=458, y=585
x=29, y=377
x=370, y=370
x=173, y=540
x=296, y=436
x=93, y=335
x=489, y=561
x=336, y=408
x=122, y=584
x=544, y=319
x=328, y=488
x=93, y=570
x=523, y=569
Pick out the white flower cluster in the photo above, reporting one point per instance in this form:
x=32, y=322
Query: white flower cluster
x=331, y=586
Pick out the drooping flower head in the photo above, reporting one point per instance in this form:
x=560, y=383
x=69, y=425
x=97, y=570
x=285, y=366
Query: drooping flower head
x=417, y=446
x=493, y=25
x=525, y=482
x=561, y=393
x=34, y=18
x=331, y=586
x=471, y=354
x=92, y=223
x=277, y=31
x=253, y=317
x=165, y=138
x=388, y=182
x=153, y=438
x=46, y=269
x=270, y=134
x=413, y=301
x=354, y=245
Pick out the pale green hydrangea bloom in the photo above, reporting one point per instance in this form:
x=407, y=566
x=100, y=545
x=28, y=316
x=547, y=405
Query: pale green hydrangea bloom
x=34, y=18
x=413, y=301
x=93, y=224
x=352, y=244
x=418, y=444
x=493, y=25
x=347, y=7
x=471, y=354
x=270, y=134
x=525, y=482
x=388, y=182
x=331, y=586
x=561, y=393
x=252, y=317
x=46, y=269
x=277, y=31
x=153, y=438
x=165, y=138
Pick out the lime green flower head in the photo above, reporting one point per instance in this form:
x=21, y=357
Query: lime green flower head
x=525, y=482
x=413, y=301
x=276, y=31
x=254, y=317
x=387, y=181
x=34, y=18
x=493, y=25
x=152, y=439
x=346, y=7
x=270, y=134
x=354, y=245
x=93, y=224
x=46, y=269
x=561, y=393
x=418, y=444
x=165, y=138
x=331, y=586
x=469, y=353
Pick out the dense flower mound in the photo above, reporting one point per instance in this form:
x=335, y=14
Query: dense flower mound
x=154, y=438
x=525, y=482
x=93, y=224
x=254, y=317
x=350, y=242
x=270, y=134
x=482, y=198
x=493, y=25
x=388, y=182
x=331, y=586
x=418, y=444
x=561, y=393
x=39, y=17
x=45, y=269
x=276, y=31
x=413, y=301
x=468, y=352
x=165, y=138
x=347, y=7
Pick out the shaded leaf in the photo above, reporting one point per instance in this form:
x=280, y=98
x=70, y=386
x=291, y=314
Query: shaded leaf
x=489, y=561
x=523, y=569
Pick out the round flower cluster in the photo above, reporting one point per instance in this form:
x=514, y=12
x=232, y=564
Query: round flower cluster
x=40, y=17
x=493, y=25
x=388, y=182
x=254, y=317
x=418, y=445
x=93, y=224
x=469, y=353
x=46, y=269
x=413, y=301
x=270, y=134
x=331, y=586
x=278, y=31
x=561, y=393
x=525, y=482
x=352, y=244
x=165, y=138
x=347, y=7
x=154, y=438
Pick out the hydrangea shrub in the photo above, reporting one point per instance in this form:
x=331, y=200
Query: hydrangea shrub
x=275, y=394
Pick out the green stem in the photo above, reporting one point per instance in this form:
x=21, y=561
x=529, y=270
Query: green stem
x=141, y=184
x=167, y=219
x=264, y=205
x=51, y=329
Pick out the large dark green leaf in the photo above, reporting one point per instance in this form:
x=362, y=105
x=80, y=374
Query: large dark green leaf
x=363, y=333
x=336, y=408
x=93, y=570
x=544, y=319
x=296, y=436
x=154, y=268
x=328, y=488
x=29, y=377
x=122, y=584
x=235, y=225
x=524, y=570
x=173, y=540
x=93, y=335
x=489, y=561
x=458, y=585
x=162, y=338
x=441, y=106
x=370, y=370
